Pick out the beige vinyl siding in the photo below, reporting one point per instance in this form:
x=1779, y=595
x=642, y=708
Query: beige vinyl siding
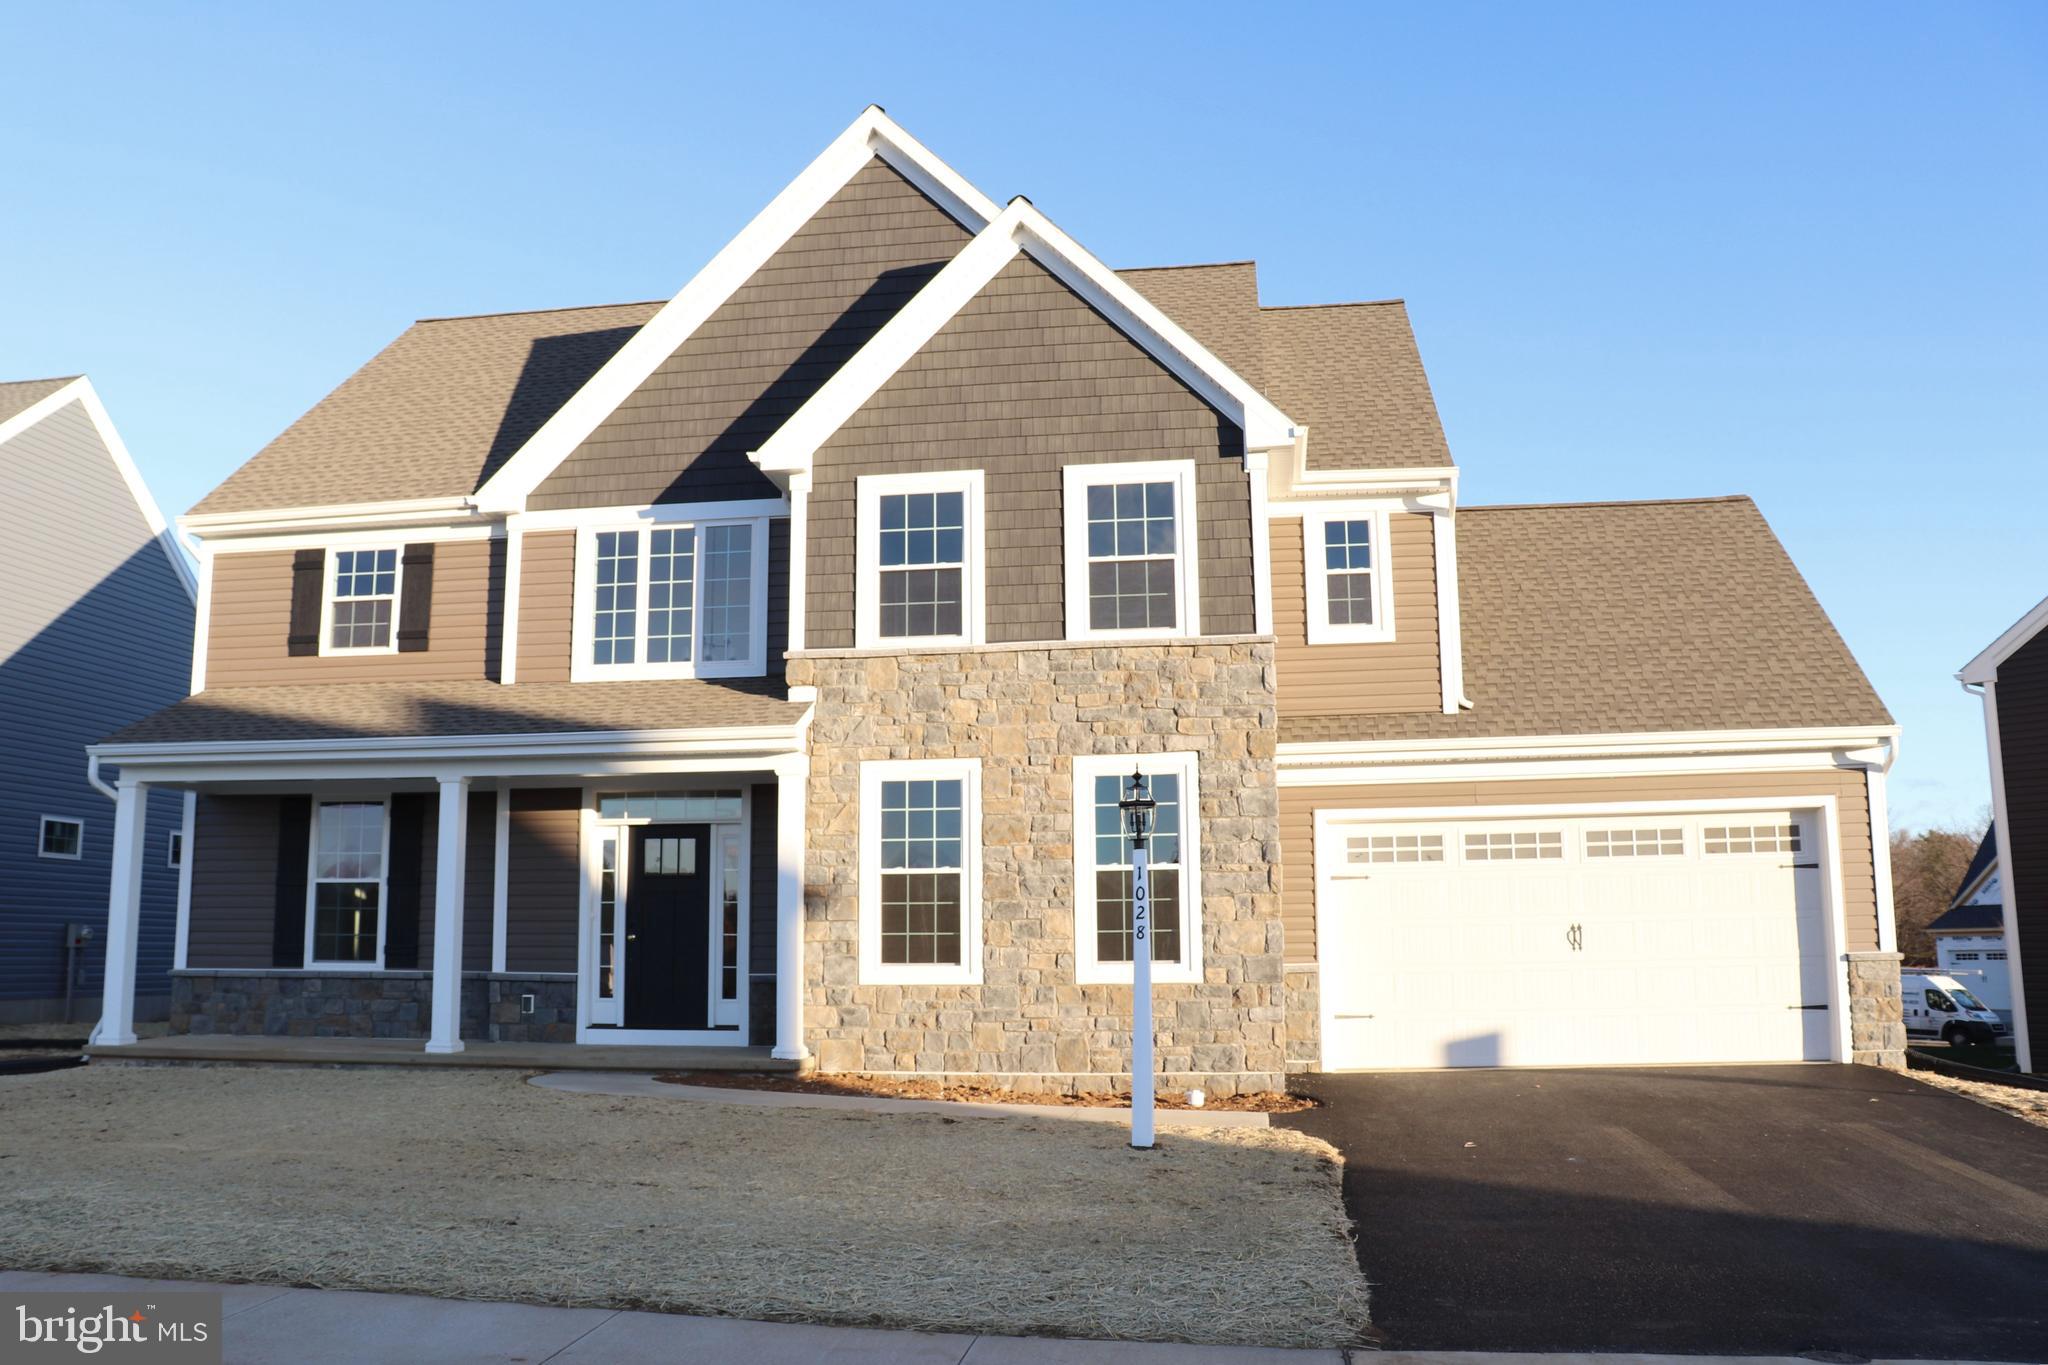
x=547, y=605
x=252, y=612
x=545, y=880
x=1299, y=804
x=234, y=881
x=1401, y=674
x=1026, y=380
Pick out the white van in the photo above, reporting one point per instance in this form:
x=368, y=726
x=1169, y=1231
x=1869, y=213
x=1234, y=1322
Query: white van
x=1937, y=1005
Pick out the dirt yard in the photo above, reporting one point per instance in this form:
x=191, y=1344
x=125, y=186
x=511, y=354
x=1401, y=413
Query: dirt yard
x=477, y=1185
x=969, y=1092
x=2031, y=1105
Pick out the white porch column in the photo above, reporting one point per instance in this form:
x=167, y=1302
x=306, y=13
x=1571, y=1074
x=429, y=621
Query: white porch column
x=791, y=778
x=453, y=838
x=124, y=915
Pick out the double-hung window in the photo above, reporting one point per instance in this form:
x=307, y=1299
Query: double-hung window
x=362, y=602
x=919, y=539
x=672, y=600
x=920, y=894
x=1345, y=568
x=1103, y=875
x=1130, y=543
x=348, y=887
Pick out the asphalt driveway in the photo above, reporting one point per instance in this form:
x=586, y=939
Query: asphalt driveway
x=1736, y=1210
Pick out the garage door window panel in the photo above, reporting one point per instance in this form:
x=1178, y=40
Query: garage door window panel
x=1515, y=846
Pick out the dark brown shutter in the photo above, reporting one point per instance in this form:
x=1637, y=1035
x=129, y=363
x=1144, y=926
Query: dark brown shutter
x=309, y=569
x=415, y=598
x=402, y=881
x=288, y=926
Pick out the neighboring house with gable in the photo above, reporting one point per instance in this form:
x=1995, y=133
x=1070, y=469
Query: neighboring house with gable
x=2010, y=678
x=1969, y=937
x=95, y=632
x=760, y=668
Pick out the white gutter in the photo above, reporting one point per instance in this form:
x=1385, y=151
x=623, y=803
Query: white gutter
x=413, y=511
x=92, y=775
x=1583, y=746
x=751, y=739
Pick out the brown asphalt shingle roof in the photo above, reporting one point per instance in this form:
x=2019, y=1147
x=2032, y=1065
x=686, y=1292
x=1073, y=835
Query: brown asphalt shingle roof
x=1352, y=374
x=19, y=395
x=1625, y=618
x=390, y=710
x=433, y=413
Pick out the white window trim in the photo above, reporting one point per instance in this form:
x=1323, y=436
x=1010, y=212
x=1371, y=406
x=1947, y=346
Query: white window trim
x=583, y=630
x=1187, y=557
x=174, y=848
x=1315, y=571
x=873, y=971
x=43, y=828
x=870, y=489
x=1088, y=971
x=313, y=881
x=328, y=649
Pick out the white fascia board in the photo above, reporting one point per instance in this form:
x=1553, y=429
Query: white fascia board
x=1019, y=228
x=750, y=739
x=81, y=391
x=873, y=134
x=1984, y=668
x=1830, y=740
x=220, y=526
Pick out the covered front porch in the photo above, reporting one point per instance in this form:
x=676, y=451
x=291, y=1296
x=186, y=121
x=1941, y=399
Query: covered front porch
x=526, y=899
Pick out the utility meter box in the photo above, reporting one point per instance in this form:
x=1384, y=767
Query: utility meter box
x=77, y=935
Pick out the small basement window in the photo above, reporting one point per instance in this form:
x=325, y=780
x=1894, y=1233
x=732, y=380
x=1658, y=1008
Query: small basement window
x=61, y=837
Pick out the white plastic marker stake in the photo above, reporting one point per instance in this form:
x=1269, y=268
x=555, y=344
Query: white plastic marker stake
x=1141, y=995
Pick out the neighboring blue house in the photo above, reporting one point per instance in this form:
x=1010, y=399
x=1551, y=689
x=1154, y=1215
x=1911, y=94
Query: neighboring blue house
x=96, y=620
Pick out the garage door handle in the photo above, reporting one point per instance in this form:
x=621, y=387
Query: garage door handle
x=1576, y=937
x=1351, y=1016
x=1806, y=1007
x=1814, y=866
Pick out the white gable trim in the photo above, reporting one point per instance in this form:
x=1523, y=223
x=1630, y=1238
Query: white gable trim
x=81, y=391
x=1984, y=668
x=873, y=134
x=1020, y=228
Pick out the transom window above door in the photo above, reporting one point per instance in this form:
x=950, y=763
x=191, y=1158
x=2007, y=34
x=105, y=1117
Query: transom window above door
x=919, y=550
x=362, y=601
x=1345, y=568
x=671, y=600
x=1130, y=542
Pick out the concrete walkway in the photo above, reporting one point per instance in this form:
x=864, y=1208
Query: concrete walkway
x=614, y=1083
x=267, y=1324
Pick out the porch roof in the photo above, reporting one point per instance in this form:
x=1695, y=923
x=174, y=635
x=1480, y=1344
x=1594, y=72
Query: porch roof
x=441, y=710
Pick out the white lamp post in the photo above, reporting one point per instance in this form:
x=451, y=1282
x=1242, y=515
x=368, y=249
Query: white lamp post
x=1137, y=807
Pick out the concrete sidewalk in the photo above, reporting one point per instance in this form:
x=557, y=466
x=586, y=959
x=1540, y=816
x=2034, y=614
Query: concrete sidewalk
x=266, y=1324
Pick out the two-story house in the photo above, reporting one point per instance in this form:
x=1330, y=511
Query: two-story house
x=95, y=632
x=760, y=668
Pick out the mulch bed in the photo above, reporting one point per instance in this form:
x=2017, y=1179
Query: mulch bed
x=967, y=1092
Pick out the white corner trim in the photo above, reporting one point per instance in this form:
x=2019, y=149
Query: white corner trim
x=1450, y=629
x=202, y=616
x=81, y=391
x=873, y=773
x=508, y=612
x=869, y=490
x=1881, y=859
x=873, y=133
x=1984, y=667
x=1077, y=479
x=1316, y=577
x=799, y=565
x=1257, y=469
x=1185, y=764
x=1020, y=228
x=2008, y=895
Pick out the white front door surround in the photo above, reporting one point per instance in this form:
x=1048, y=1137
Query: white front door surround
x=1599, y=934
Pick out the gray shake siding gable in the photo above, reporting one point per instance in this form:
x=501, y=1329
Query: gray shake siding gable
x=685, y=434
x=1026, y=380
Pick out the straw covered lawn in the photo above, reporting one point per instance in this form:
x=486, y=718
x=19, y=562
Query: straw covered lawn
x=473, y=1184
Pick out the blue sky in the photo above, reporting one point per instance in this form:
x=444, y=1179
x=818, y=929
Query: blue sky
x=1650, y=250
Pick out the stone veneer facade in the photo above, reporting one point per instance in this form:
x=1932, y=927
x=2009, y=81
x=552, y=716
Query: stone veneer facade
x=397, y=1004
x=1877, y=1020
x=1026, y=712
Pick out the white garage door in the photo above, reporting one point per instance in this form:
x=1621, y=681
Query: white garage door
x=1565, y=942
